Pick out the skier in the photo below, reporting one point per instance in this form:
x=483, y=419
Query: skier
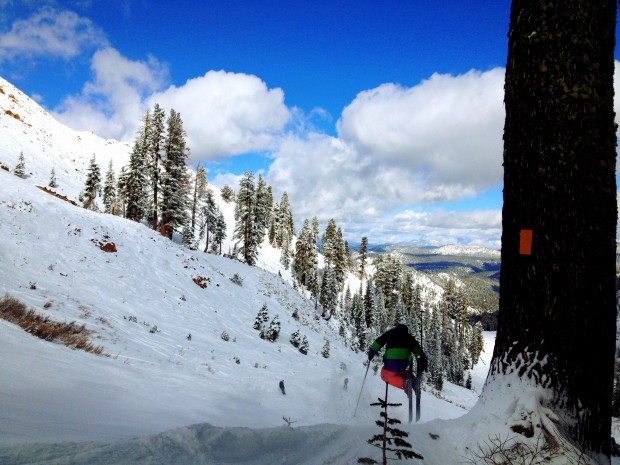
x=400, y=347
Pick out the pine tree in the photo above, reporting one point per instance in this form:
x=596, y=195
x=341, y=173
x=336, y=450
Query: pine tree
x=369, y=304
x=92, y=185
x=329, y=244
x=387, y=276
x=325, y=349
x=245, y=225
x=295, y=339
x=391, y=439
x=136, y=181
x=340, y=263
x=208, y=217
x=200, y=188
x=285, y=225
x=53, y=182
x=20, y=168
x=228, y=194
x=476, y=343
x=433, y=348
x=175, y=182
x=329, y=292
x=305, y=255
x=273, y=331
x=109, y=190
x=187, y=237
x=304, y=346
x=382, y=316
x=261, y=317
x=121, y=192
x=155, y=127
x=219, y=233
x=363, y=257
x=263, y=210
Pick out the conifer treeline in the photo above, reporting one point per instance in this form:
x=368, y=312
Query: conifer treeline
x=157, y=188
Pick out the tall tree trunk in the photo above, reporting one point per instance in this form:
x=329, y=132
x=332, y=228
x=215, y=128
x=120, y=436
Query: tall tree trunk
x=557, y=314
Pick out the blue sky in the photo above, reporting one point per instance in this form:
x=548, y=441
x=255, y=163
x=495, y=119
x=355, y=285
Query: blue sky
x=386, y=116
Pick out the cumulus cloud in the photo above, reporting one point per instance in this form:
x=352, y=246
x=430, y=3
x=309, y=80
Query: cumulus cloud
x=50, y=33
x=223, y=113
x=227, y=113
x=112, y=104
x=449, y=128
x=440, y=141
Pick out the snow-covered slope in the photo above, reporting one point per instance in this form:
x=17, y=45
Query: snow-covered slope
x=46, y=144
x=152, y=381
x=465, y=251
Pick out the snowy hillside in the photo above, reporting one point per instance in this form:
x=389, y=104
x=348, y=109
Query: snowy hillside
x=46, y=144
x=464, y=251
x=142, y=304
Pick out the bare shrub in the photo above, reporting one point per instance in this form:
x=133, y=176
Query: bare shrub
x=70, y=334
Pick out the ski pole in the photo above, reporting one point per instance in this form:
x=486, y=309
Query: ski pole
x=358, y=397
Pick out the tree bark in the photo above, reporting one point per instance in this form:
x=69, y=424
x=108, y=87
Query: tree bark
x=557, y=314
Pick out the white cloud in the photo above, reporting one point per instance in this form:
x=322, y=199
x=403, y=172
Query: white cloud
x=448, y=128
x=52, y=33
x=112, y=104
x=223, y=113
x=437, y=142
x=227, y=113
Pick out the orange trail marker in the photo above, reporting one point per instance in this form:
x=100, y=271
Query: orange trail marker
x=525, y=242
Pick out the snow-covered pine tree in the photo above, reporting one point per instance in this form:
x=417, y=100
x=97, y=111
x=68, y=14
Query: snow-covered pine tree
x=187, y=236
x=175, y=185
x=306, y=259
x=295, y=339
x=273, y=331
x=347, y=302
x=155, y=129
x=53, y=182
x=433, y=349
x=325, y=349
x=363, y=257
x=109, y=190
x=20, y=168
x=382, y=315
x=340, y=264
x=208, y=215
x=135, y=179
x=261, y=317
x=329, y=292
x=286, y=252
x=329, y=244
x=271, y=234
x=315, y=229
x=92, y=185
x=304, y=346
x=263, y=210
x=285, y=225
x=200, y=188
x=386, y=278
x=121, y=192
x=476, y=343
x=219, y=233
x=246, y=231
x=228, y=194
x=369, y=304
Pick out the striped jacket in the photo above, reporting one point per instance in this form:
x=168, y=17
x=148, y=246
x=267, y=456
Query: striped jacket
x=399, y=347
